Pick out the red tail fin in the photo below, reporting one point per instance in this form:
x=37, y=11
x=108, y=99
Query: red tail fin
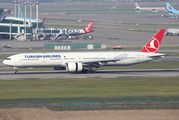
x=43, y=20
x=154, y=44
x=88, y=27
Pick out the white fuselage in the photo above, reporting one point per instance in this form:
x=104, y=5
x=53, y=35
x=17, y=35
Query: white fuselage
x=172, y=31
x=86, y=58
x=76, y=31
x=151, y=8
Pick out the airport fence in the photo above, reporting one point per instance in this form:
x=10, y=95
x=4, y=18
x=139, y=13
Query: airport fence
x=75, y=104
x=69, y=46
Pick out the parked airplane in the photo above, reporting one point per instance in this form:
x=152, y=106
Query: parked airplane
x=21, y=15
x=74, y=32
x=171, y=10
x=76, y=61
x=150, y=9
x=172, y=31
x=8, y=10
x=33, y=19
x=3, y=12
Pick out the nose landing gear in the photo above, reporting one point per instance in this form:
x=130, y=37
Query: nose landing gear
x=15, y=68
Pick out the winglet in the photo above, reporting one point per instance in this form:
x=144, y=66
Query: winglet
x=154, y=44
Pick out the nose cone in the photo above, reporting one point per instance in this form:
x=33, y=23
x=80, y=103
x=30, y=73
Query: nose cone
x=4, y=62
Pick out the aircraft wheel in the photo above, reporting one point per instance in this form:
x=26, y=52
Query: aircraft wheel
x=16, y=72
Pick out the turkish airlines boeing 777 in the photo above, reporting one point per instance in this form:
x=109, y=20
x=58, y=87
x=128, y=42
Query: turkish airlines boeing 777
x=76, y=61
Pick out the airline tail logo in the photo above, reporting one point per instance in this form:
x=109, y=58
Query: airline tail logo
x=170, y=8
x=154, y=44
x=9, y=10
x=89, y=27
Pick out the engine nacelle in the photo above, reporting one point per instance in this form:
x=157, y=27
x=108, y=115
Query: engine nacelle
x=74, y=67
x=59, y=68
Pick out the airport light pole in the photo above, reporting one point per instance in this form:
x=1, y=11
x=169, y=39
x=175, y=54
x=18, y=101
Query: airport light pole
x=19, y=2
x=25, y=38
x=37, y=3
x=30, y=3
x=15, y=2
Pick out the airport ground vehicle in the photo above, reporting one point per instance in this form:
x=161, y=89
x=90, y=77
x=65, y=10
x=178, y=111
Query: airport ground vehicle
x=117, y=47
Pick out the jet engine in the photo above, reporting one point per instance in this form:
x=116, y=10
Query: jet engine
x=74, y=66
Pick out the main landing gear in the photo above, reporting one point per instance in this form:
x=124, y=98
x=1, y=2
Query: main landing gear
x=89, y=70
x=16, y=72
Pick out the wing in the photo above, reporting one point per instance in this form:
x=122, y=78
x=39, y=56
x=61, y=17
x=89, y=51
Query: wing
x=156, y=55
x=104, y=60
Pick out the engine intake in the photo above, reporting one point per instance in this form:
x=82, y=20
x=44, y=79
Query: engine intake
x=74, y=67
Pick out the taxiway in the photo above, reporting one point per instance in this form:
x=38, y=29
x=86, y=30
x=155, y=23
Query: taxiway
x=23, y=75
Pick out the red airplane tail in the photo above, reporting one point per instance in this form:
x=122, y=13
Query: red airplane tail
x=89, y=27
x=154, y=43
x=43, y=20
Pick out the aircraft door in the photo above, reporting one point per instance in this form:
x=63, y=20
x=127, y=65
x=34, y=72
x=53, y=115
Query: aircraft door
x=79, y=58
x=20, y=59
x=15, y=59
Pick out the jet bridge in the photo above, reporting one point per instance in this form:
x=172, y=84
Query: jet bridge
x=2, y=14
x=51, y=33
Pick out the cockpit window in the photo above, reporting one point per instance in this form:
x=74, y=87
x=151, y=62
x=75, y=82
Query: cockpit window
x=8, y=58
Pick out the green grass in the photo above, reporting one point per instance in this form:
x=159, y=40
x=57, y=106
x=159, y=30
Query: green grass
x=163, y=65
x=66, y=26
x=89, y=87
x=153, y=24
x=148, y=31
x=4, y=56
x=68, y=20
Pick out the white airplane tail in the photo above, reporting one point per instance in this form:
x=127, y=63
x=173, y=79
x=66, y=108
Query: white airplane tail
x=154, y=43
x=137, y=6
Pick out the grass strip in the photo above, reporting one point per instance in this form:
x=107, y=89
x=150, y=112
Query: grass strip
x=68, y=20
x=64, y=26
x=89, y=87
x=152, y=24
